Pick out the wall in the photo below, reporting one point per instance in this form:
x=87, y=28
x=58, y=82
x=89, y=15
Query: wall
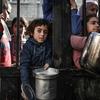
x=30, y=10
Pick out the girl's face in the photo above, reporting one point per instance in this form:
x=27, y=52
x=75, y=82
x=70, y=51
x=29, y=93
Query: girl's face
x=93, y=25
x=40, y=33
x=21, y=28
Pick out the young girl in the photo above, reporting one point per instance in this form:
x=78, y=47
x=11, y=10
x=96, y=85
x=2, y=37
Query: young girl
x=36, y=51
x=78, y=42
x=23, y=24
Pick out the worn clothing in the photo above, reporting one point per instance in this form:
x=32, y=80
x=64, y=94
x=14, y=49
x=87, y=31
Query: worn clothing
x=5, y=54
x=34, y=55
x=77, y=43
x=13, y=45
x=6, y=30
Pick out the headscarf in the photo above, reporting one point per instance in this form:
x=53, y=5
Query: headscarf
x=92, y=1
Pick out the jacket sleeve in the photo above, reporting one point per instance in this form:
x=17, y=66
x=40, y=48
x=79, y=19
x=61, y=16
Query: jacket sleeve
x=47, y=9
x=75, y=22
x=25, y=60
x=77, y=42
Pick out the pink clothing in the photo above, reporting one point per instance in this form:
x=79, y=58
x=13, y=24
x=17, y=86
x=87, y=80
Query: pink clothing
x=77, y=43
x=5, y=55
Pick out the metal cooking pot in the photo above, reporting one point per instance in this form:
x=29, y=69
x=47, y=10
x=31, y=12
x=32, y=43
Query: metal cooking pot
x=46, y=83
x=91, y=53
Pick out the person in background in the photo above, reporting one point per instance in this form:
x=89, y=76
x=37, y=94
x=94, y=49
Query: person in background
x=23, y=24
x=36, y=52
x=77, y=16
x=47, y=10
x=5, y=37
x=78, y=42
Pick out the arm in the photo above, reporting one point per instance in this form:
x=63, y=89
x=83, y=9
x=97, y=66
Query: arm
x=75, y=18
x=77, y=42
x=73, y=4
x=25, y=60
x=6, y=54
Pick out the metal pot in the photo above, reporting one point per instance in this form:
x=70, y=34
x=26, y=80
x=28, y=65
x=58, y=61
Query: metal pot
x=91, y=54
x=46, y=83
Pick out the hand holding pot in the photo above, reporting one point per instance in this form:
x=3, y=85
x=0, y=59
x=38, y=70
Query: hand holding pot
x=46, y=66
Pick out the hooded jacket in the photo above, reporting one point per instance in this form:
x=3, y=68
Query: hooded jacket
x=34, y=55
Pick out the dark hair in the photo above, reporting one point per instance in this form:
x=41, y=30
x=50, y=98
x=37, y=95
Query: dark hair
x=22, y=20
x=88, y=17
x=35, y=23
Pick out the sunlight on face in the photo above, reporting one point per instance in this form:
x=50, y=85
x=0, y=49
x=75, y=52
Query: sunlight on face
x=40, y=33
x=93, y=25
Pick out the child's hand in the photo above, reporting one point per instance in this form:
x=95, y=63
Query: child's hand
x=46, y=66
x=73, y=4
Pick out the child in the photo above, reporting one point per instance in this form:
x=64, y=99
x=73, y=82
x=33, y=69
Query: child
x=23, y=24
x=36, y=51
x=77, y=16
x=78, y=42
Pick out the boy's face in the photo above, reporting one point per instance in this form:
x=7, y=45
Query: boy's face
x=93, y=25
x=40, y=33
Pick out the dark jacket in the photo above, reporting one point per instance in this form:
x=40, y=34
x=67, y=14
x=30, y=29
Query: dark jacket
x=47, y=9
x=34, y=55
x=76, y=22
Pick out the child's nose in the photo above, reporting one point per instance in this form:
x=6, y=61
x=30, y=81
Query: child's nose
x=42, y=33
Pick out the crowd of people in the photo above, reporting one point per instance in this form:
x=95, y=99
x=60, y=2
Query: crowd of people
x=8, y=37
x=35, y=47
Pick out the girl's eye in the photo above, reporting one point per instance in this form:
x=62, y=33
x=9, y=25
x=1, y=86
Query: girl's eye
x=94, y=22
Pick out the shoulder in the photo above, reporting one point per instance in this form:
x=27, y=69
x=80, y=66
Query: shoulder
x=29, y=43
